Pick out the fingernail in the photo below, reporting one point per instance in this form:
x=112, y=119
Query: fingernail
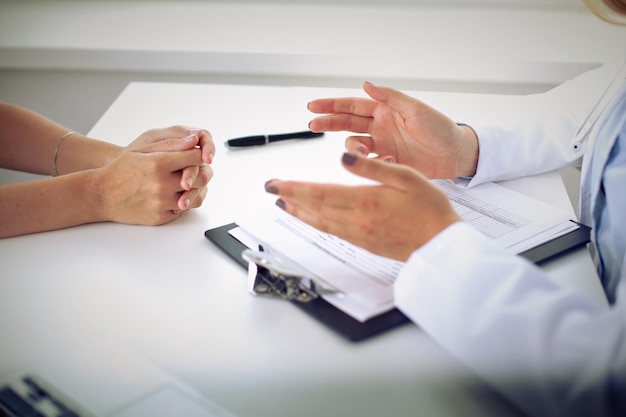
x=349, y=158
x=361, y=150
x=189, y=138
x=194, y=131
x=281, y=204
x=190, y=182
x=187, y=203
x=369, y=82
x=389, y=160
x=270, y=188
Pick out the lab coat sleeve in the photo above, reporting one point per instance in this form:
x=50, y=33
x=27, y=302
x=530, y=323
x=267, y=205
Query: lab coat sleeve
x=549, y=349
x=533, y=134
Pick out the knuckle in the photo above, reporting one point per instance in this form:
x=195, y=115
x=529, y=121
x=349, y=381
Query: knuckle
x=203, y=177
x=180, y=129
x=207, y=173
x=152, y=164
x=151, y=132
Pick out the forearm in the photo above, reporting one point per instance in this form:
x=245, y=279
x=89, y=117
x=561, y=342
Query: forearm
x=49, y=204
x=549, y=349
x=29, y=142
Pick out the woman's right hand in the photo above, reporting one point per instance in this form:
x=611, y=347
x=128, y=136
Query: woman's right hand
x=379, y=217
x=401, y=129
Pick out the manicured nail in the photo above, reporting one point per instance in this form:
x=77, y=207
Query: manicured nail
x=190, y=182
x=270, y=188
x=281, y=204
x=349, y=158
x=194, y=131
x=189, y=138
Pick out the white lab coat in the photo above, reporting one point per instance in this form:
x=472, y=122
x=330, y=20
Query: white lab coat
x=550, y=350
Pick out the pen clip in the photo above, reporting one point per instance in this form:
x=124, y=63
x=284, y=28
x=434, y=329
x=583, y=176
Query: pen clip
x=608, y=95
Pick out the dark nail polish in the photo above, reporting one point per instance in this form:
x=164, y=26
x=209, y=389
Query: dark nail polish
x=270, y=188
x=349, y=158
x=281, y=203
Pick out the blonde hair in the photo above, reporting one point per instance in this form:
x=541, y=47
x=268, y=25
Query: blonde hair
x=612, y=11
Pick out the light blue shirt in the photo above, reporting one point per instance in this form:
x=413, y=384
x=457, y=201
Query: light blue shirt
x=603, y=195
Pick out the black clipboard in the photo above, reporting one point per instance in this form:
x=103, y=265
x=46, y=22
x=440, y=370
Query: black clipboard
x=320, y=309
x=559, y=246
x=355, y=330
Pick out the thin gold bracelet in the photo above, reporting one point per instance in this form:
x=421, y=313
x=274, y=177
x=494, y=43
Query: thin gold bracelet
x=56, y=152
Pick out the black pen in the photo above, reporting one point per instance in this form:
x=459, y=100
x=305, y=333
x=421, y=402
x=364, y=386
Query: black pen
x=265, y=139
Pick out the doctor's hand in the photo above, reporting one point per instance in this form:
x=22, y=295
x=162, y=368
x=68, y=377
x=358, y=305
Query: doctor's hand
x=401, y=129
x=392, y=218
x=153, y=182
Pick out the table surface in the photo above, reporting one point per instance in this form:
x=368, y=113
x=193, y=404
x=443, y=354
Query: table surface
x=179, y=301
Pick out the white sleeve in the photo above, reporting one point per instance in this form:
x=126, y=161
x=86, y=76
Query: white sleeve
x=549, y=349
x=533, y=133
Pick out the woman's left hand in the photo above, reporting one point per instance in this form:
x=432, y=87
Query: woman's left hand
x=392, y=218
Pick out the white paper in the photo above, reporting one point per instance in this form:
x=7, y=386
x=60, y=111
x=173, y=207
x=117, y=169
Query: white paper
x=366, y=280
x=512, y=219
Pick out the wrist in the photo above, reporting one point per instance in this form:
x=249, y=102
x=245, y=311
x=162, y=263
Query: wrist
x=95, y=188
x=469, y=151
x=78, y=153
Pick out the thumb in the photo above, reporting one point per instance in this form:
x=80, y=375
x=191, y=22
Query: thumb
x=398, y=176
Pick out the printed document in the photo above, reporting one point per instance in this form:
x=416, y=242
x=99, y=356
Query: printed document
x=365, y=281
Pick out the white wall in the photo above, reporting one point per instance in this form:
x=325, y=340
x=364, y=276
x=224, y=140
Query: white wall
x=70, y=59
x=534, y=4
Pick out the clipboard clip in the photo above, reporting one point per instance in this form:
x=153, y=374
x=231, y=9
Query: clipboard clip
x=274, y=276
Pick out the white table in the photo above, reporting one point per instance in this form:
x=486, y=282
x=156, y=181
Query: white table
x=177, y=299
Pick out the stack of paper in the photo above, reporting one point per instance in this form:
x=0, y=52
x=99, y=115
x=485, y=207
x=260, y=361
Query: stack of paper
x=366, y=280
